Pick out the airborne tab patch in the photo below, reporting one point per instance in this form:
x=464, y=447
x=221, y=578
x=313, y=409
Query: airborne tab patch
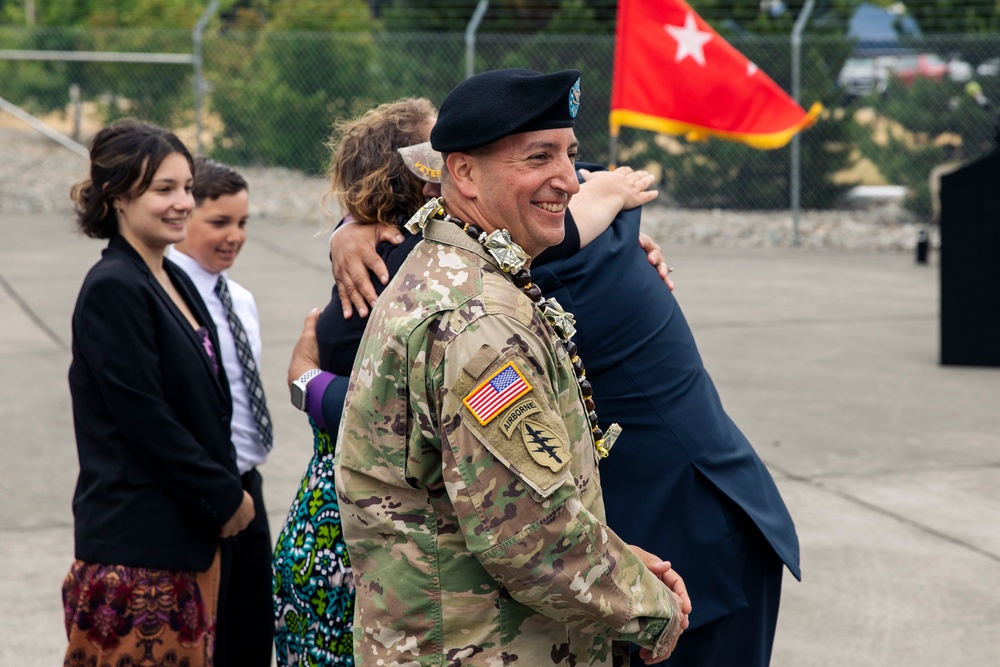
x=510, y=421
x=496, y=393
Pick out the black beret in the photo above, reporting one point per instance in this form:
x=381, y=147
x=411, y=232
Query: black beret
x=490, y=106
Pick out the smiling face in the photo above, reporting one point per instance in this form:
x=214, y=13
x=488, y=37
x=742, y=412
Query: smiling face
x=524, y=183
x=217, y=231
x=158, y=217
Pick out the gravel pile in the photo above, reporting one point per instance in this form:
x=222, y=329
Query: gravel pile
x=36, y=175
x=884, y=228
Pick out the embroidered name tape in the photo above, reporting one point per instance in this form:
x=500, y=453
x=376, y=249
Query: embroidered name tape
x=496, y=393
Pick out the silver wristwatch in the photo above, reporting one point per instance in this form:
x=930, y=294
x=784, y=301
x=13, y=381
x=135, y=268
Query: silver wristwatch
x=299, y=388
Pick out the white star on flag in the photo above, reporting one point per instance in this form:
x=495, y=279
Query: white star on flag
x=690, y=40
x=751, y=68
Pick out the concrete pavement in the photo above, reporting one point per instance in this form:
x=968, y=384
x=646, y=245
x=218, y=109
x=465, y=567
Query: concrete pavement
x=889, y=462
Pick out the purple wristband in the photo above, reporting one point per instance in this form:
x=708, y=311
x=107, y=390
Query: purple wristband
x=314, y=397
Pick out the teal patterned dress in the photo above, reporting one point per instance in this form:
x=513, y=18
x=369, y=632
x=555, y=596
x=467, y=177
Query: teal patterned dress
x=313, y=582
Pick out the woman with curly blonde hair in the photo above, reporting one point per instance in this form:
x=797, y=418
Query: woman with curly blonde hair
x=313, y=583
x=368, y=178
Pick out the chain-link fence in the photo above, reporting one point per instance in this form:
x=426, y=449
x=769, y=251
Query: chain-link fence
x=893, y=114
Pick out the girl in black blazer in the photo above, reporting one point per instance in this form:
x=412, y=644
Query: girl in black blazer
x=158, y=484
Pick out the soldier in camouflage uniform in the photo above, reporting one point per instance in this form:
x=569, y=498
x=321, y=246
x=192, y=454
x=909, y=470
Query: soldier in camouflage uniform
x=466, y=464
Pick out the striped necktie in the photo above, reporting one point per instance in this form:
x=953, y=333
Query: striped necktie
x=251, y=376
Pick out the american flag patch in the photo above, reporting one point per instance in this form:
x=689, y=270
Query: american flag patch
x=500, y=390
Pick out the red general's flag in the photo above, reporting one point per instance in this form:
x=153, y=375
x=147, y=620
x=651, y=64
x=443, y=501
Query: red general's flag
x=675, y=75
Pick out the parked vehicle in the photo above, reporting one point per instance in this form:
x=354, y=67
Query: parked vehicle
x=959, y=70
x=862, y=76
x=909, y=67
x=989, y=67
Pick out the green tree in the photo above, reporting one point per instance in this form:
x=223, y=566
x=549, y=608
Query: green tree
x=168, y=14
x=278, y=91
x=502, y=16
x=159, y=93
x=959, y=16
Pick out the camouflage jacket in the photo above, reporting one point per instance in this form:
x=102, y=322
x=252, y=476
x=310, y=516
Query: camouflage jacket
x=468, y=484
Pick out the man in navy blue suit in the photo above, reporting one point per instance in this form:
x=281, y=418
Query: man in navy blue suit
x=682, y=481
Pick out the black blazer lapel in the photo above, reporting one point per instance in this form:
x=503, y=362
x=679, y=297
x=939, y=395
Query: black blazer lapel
x=190, y=294
x=197, y=306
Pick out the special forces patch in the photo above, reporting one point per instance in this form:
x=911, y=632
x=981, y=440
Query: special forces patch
x=544, y=445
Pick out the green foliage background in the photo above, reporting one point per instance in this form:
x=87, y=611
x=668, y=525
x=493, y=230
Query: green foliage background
x=281, y=72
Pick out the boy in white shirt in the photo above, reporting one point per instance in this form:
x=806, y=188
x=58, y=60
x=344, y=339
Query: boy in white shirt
x=215, y=234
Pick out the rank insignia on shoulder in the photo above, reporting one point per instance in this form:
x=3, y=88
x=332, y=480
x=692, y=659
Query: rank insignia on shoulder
x=544, y=445
x=496, y=393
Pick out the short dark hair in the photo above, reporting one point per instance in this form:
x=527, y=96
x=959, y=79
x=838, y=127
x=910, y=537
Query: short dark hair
x=213, y=179
x=124, y=158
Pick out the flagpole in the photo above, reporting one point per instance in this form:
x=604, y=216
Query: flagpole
x=796, y=166
x=613, y=149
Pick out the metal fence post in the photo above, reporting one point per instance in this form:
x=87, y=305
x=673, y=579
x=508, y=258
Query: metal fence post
x=199, y=82
x=796, y=166
x=76, y=105
x=470, y=37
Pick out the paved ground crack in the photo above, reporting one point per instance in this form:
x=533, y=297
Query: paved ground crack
x=7, y=287
x=816, y=484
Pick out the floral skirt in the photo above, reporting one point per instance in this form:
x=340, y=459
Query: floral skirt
x=118, y=616
x=313, y=581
